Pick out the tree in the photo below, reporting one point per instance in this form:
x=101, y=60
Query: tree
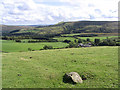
x=17, y=40
x=29, y=49
x=47, y=47
x=79, y=40
x=75, y=41
x=67, y=41
x=73, y=44
x=112, y=43
x=104, y=43
x=97, y=41
x=88, y=39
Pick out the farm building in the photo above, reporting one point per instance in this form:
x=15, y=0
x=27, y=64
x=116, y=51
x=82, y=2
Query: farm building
x=84, y=45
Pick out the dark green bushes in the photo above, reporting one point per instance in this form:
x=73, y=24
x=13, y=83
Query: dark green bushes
x=86, y=35
x=96, y=42
x=42, y=40
x=67, y=41
x=108, y=43
x=73, y=44
x=47, y=47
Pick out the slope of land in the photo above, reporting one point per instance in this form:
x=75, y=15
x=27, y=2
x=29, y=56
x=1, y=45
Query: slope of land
x=12, y=28
x=45, y=69
x=64, y=28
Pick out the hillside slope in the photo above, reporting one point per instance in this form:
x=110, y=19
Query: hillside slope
x=65, y=28
x=13, y=28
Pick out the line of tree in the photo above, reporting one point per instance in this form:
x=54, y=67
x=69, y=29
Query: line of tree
x=75, y=43
x=96, y=42
x=31, y=36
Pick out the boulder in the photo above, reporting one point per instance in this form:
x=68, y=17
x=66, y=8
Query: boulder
x=73, y=77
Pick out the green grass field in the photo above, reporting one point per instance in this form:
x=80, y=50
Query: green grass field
x=99, y=34
x=11, y=46
x=64, y=38
x=101, y=38
x=45, y=69
x=91, y=38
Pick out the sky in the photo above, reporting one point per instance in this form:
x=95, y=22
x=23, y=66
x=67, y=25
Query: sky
x=42, y=12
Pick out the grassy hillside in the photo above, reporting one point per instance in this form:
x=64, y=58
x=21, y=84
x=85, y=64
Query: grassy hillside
x=67, y=28
x=13, y=28
x=45, y=69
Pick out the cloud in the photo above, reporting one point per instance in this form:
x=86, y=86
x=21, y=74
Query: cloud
x=54, y=11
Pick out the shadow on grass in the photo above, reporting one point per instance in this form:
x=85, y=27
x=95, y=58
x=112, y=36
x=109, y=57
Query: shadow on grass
x=67, y=79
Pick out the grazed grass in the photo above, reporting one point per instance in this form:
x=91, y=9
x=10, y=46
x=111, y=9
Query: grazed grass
x=11, y=46
x=101, y=38
x=99, y=34
x=64, y=38
x=45, y=69
x=91, y=38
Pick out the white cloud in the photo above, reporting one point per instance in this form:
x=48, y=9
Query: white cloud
x=50, y=18
x=31, y=12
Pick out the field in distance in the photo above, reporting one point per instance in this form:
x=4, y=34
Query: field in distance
x=11, y=46
x=91, y=38
x=45, y=69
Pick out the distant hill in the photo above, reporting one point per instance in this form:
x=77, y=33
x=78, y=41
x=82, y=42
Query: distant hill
x=64, y=28
x=9, y=28
x=90, y=26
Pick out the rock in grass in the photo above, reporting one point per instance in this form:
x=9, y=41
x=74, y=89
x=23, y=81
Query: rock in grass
x=30, y=57
x=73, y=77
x=19, y=74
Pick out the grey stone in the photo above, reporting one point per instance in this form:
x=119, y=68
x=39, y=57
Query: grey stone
x=74, y=76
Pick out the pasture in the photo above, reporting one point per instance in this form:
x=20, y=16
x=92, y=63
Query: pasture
x=91, y=38
x=101, y=38
x=45, y=69
x=99, y=34
x=11, y=46
x=64, y=38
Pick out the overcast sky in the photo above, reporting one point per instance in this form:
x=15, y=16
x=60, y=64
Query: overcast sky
x=31, y=12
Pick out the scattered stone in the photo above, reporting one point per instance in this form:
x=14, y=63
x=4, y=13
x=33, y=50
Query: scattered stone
x=72, y=77
x=30, y=57
x=74, y=61
x=24, y=59
x=19, y=74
